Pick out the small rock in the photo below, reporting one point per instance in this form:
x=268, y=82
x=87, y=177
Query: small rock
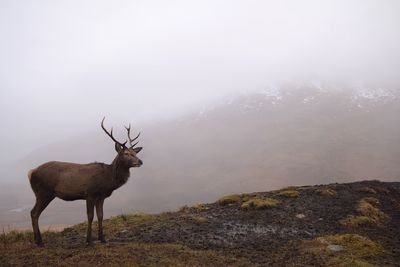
x=308, y=233
x=335, y=248
x=300, y=215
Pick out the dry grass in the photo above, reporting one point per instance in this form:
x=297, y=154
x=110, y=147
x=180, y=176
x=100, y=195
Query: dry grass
x=123, y=221
x=289, y=193
x=327, y=192
x=357, y=221
x=184, y=209
x=17, y=248
x=368, y=207
x=349, y=261
x=199, y=219
x=230, y=199
x=200, y=207
x=129, y=254
x=22, y=239
x=245, y=197
x=355, y=244
x=371, y=215
x=260, y=203
x=356, y=250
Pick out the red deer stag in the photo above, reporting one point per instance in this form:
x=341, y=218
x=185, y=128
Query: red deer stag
x=93, y=182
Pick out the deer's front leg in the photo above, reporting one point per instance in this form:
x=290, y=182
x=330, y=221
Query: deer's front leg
x=99, y=211
x=90, y=214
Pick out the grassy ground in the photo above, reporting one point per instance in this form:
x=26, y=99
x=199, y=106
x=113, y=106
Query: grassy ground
x=17, y=249
x=300, y=226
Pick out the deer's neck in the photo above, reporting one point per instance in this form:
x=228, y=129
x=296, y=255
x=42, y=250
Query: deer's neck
x=120, y=173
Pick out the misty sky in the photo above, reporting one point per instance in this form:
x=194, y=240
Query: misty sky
x=65, y=64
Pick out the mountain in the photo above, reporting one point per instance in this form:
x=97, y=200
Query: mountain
x=293, y=135
x=347, y=224
x=267, y=140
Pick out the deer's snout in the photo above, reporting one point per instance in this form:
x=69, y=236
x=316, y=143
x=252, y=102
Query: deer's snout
x=140, y=162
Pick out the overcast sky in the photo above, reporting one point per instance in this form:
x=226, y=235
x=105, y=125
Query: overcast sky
x=65, y=64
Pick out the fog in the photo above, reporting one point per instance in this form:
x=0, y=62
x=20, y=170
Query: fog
x=65, y=64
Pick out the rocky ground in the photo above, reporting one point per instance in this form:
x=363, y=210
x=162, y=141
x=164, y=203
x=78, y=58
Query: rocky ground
x=355, y=224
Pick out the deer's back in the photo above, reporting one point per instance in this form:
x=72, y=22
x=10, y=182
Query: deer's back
x=69, y=181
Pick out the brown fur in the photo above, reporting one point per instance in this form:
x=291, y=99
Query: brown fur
x=30, y=173
x=70, y=181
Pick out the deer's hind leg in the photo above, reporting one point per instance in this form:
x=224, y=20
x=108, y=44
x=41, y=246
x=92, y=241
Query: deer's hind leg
x=90, y=214
x=99, y=211
x=42, y=201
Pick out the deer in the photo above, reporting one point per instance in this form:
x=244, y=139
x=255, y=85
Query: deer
x=93, y=182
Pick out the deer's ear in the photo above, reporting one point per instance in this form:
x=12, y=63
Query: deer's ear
x=137, y=149
x=118, y=148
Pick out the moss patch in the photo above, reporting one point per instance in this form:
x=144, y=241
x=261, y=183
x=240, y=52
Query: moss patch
x=260, y=203
x=289, y=193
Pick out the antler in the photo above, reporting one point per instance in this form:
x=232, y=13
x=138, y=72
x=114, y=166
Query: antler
x=129, y=136
x=110, y=134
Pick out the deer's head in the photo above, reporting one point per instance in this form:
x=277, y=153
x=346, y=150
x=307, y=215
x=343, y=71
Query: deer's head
x=127, y=156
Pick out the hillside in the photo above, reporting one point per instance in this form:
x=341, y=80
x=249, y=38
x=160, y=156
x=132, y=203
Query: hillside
x=252, y=142
x=348, y=224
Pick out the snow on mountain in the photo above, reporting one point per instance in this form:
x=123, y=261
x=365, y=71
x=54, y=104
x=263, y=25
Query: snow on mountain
x=273, y=95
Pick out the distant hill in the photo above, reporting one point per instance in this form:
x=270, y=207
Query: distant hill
x=263, y=140
x=267, y=141
x=348, y=224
